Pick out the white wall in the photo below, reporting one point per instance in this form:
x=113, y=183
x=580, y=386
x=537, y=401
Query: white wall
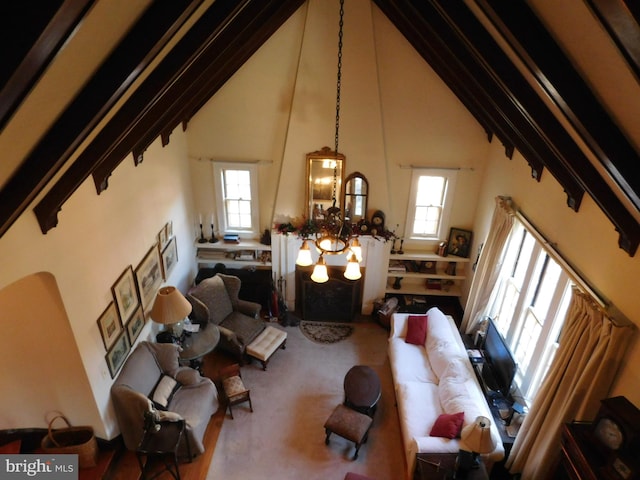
x=96, y=239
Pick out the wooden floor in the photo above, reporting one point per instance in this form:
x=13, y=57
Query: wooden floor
x=125, y=464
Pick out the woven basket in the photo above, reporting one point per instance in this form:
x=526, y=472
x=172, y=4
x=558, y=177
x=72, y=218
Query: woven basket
x=72, y=440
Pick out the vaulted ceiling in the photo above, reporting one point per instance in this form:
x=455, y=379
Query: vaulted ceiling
x=498, y=57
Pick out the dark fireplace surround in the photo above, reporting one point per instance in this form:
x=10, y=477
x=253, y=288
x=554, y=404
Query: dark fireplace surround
x=337, y=300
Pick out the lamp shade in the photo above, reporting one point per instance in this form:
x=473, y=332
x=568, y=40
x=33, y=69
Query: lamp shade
x=304, y=255
x=170, y=306
x=352, y=272
x=320, y=273
x=476, y=437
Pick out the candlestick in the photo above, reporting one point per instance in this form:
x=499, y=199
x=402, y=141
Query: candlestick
x=213, y=238
x=202, y=239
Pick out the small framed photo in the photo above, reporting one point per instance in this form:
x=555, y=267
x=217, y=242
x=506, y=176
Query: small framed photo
x=459, y=242
x=125, y=294
x=118, y=354
x=109, y=325
x=162, y=237
x=149, y=277
x=169, y=257
x=135, y=325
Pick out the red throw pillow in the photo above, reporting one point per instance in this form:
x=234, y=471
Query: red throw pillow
x=416, y=329
x=448, y=425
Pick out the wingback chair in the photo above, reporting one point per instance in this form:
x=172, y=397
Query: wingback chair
x=216, y=300
x=152, y=373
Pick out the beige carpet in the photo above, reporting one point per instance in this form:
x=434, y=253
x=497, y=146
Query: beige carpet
x=284, y=437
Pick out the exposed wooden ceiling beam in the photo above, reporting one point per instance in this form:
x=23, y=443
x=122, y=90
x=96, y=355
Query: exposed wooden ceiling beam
x=621, y=18
x=58, y=30
x=138, y=48
x=224, y=37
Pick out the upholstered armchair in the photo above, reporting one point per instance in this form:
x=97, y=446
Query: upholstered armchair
x=152, y=376
x=216, y=300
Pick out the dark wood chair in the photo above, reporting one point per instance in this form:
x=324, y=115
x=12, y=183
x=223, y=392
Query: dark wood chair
x=234, y=388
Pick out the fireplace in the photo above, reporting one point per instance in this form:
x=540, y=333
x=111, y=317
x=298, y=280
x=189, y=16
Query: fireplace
x=337, y=300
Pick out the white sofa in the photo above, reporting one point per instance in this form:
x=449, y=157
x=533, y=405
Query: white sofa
x=433, y=379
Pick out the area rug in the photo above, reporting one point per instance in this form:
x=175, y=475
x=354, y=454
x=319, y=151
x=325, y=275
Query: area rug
x=325, y=332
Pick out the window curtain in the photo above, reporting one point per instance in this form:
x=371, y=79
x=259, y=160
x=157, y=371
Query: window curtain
x=590, y=352
x=489, y=264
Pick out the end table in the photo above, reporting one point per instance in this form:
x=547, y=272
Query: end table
x=162, y=444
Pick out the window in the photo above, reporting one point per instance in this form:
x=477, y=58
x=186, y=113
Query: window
x=429, y=203
x=529, y=305
x=236, y=197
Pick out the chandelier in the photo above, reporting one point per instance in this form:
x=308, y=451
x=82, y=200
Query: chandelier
x=334, y=236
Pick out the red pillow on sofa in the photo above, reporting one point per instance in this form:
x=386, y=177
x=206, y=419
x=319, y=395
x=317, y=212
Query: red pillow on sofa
x=448, y=425
x=416, y=329
x=12, y=447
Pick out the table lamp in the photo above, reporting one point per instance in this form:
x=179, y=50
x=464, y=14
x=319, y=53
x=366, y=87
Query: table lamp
x=170, y=308
x=475, y=439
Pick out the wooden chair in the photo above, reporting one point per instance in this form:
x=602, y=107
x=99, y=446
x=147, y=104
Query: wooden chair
x=234, y=388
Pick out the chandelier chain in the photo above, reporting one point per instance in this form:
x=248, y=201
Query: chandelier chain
x=338, y=86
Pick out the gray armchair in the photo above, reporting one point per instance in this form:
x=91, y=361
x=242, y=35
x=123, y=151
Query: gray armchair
x=216, y=300
x=193, y=398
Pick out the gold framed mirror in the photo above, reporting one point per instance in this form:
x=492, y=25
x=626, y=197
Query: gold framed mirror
x=321, y=167
x=354, y=197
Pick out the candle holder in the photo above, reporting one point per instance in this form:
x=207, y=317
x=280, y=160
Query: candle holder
x=393, y=247
x=401, y=251
x=202, y=239
x=213, y=238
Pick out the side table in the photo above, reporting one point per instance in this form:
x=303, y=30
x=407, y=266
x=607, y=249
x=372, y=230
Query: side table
x=362, y=389
x=441, y=466
x=163, y=445
x=196, y=345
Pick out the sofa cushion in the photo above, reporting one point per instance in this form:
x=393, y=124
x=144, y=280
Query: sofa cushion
x=448, y=425
x=164, y=391
x=416, y=329
x=409, y=363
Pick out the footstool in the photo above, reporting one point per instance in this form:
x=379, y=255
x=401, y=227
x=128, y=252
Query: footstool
x=265, y=344
x=349, y=424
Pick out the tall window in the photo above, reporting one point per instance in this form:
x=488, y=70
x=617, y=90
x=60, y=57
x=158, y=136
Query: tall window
x=529, y=306
x=236, y=197
x=430, y=203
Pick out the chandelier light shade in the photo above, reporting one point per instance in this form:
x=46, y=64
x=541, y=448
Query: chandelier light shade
x=352, y=272
x=170, y=308
x=320, y=274
x=304, y=255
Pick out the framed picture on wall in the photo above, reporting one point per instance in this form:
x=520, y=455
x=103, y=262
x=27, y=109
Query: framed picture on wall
x=109, y=325
x=135, y=325
x=125, y=294
x=459, y=242
x=149, y=277
x=118, y=354
x=162, y=236
x=169, y=257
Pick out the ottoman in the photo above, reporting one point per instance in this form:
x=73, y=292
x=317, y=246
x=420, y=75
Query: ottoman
x=349, y=424
x=265, y=344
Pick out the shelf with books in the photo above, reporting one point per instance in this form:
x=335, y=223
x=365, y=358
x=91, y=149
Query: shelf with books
x=423, y=273
x=242, y=254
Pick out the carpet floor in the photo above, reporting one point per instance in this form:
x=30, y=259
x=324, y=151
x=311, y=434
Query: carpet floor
x=284, y=436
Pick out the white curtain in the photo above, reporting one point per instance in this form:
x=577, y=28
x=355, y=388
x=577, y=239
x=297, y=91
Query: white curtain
x=590, y=352
x=489, y=264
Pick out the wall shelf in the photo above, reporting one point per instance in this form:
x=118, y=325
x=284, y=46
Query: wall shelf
x=424, y=273
x=246, y=254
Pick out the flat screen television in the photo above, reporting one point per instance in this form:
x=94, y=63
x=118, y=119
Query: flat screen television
x=502, y=367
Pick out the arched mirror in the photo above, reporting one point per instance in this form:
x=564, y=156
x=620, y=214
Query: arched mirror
x=322, y=167
x=354, y=198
